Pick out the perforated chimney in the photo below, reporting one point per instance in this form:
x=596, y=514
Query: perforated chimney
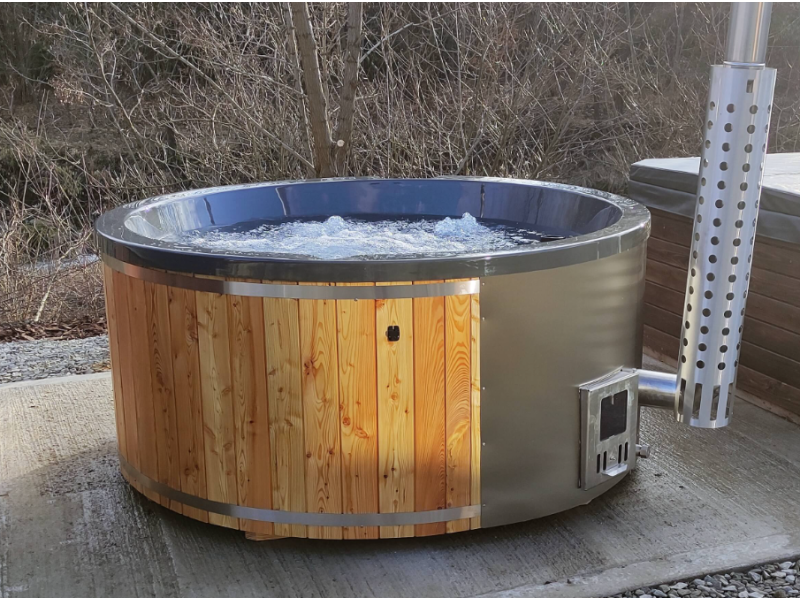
x=729, y=188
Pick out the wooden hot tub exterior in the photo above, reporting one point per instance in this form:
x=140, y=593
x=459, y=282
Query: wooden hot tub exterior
x=298, y=405
x=380, y=397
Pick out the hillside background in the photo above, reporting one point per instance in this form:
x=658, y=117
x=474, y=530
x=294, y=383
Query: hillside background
x=105, y=104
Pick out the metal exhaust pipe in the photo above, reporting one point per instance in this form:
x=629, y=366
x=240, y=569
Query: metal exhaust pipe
x=728, y=194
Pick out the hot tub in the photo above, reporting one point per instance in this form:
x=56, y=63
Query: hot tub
x=375, y=397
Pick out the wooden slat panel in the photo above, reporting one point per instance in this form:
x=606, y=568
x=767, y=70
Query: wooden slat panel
x=773, y=312
x=671, y=228
x=665, y=275
x=766, y=283
x=166, y=420
x=661, y=344
x=768, y=310
x=762, y=386
x=669, y=300
x=126, y=368
x=188, y=399
x=765, y=335
x=142, y=382
x=475, y=417
x=668, y=253
x=771, y=364
x=218, y=420
x=395, y=411
x=777, y=256
x=430, y=483
x=116, y=367
x=359, y=410
x=284, y=392
x=757, y=358
x=769, y=389
x=769, y=255
x=321, y=429
x=458, y=341
x=776, y=286
x=251, y=421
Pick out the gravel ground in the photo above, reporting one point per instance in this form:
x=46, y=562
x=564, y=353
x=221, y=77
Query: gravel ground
x=767, y=581
x=38, y=359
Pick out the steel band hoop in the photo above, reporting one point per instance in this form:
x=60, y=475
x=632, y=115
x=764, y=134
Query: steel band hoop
x=299, y=292
x=299, y=518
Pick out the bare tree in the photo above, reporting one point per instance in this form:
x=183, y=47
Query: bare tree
x=347, y=100
x=317, y=102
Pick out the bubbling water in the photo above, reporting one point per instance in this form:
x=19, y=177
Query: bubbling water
x=339, y=238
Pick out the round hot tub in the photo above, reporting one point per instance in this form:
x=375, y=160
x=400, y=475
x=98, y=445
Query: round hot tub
x=368, y=396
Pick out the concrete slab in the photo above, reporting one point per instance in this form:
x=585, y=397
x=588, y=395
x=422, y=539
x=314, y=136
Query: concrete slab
x=70, y=525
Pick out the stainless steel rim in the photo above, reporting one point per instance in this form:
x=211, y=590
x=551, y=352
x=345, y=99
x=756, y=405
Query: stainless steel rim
x=299, y=518
x=631, y=230
x=298, y=292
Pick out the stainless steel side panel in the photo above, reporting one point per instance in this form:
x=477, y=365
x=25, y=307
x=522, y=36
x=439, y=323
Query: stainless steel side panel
x=543, y=334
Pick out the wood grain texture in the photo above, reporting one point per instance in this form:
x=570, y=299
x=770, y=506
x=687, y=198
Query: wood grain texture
x=475, y=416
x=395, y=411
x=359, y=410
x=250, y=408
x=299, y=405
x=218, y=420
x=284, y=391
x=430, y=483
x=161, y=371
x=126, y=368
x=142, y=382
x=321, y=429
x=188, y=399
x=458, y=396
x=113, y=347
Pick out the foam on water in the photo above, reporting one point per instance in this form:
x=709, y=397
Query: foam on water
x=342, y=238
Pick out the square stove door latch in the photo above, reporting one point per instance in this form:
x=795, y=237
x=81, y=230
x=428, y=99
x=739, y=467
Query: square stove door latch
x=609, y=414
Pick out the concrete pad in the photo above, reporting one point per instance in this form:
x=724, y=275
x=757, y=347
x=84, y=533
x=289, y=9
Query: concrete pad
x=70, y=525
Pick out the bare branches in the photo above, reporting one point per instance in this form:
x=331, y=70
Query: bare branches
x=165, y=50
x=317, y=103
x=135, y=100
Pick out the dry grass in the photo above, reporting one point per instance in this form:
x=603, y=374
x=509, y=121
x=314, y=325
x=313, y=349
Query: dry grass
x=104, y=104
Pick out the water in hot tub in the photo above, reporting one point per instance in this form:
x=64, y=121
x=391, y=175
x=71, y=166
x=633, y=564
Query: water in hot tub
x=338, y=238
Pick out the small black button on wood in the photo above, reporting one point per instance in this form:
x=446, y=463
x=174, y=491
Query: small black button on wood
x=393, y=333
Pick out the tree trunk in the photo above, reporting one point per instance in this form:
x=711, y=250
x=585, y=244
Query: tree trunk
x=317, y=105
x=344, y=129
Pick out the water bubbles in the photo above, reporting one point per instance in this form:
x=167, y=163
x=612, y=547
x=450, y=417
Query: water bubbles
x=339, y=238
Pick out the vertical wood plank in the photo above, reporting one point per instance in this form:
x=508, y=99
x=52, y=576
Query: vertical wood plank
x=218, y=427
x=395, y=411
x=126, y=366
x=163, y=390
x=142, y=382
x=284, y=392
x=249, y=381
x=321, y=412
x=429, y=409
x=116, y=366
x=359, y=410
x=475, y=417
x=188, y=399
x=458, y=337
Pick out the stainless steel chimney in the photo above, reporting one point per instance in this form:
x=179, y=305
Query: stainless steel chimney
x=729, y=188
